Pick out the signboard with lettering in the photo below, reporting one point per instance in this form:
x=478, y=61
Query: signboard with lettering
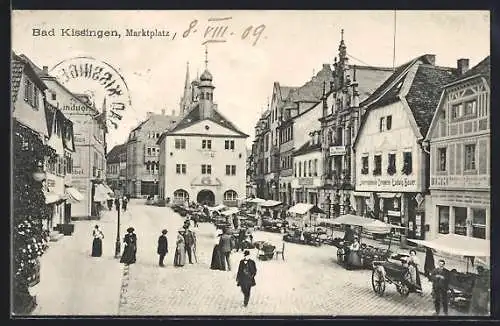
x=306, y=181
x=77, y=171
x=460, y=181
x=337, y=150
x=393, y=184
x=80, y=139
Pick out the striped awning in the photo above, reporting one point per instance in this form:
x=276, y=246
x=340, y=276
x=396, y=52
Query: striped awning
x=101, y=193
x=74, y=194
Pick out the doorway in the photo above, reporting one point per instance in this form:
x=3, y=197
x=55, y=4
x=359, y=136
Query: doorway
x=206, y=197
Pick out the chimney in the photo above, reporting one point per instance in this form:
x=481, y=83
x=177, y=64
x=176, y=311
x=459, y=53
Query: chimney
x=162, y=111
x=45, y=70
x=462, y=66
x=431, y=58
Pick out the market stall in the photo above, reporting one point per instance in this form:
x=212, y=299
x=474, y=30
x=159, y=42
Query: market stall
x=469, y=290
x=300, y=231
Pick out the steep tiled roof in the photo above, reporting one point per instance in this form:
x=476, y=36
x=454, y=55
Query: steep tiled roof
x=114, y=154
x=425, y=91
x=312, y=91
x=194, y=116
x=307, y=148
x=20, y=64
x=369, y=79
x=285, y=91
x=392, y=78
x=482, y=68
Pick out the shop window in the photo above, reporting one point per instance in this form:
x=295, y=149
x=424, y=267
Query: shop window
x=407, y=163
x=441, y=159
x=444, y=219
x=391, y=167
x=378, y=165
x=479, y=223
x=470, y=157
x=460, y=220
x=364, y=165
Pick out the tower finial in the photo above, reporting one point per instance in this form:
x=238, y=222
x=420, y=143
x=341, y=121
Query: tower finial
x=342, y=34
x=206, y=57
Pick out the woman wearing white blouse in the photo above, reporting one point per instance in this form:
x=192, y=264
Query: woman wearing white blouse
x=97, y=242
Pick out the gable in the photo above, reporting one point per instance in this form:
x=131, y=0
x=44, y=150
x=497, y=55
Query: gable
x=206, y=127
x=66, y=101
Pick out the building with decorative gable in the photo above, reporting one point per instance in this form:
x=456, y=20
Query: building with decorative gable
x=203, y=157
x=116, y=168
x=391, y=163
x=340, y=121
x=460, y=152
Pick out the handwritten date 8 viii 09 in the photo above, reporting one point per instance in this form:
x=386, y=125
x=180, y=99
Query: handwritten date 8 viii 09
x=217, y=31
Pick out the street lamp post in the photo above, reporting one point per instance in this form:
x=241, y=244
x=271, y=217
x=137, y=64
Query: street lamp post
x=118, y=242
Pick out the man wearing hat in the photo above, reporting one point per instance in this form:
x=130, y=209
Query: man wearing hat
x=245, y=278
x=162, y=247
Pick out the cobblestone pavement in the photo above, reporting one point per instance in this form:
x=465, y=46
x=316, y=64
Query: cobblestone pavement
x=308, y=282
x=73, y=282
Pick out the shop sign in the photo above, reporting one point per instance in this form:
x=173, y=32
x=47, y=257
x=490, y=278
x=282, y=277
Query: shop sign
x=394, y=213
x=306, y=181
x=389, y=182
x=77, y=171
x=461, y=181
x=337, y=150
x=80, y=139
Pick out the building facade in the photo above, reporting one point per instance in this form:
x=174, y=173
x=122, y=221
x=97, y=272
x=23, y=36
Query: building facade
x=391, y=163
x=203, y=157
x=143, y=154
x=299, y=115
x=340, y=122
x=31, y=109
x=116, y=168
x=89, y=158
x=307, y=170
x=460, y=168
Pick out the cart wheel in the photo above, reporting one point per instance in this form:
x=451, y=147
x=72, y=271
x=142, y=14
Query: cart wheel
x=378, y=282
x=403, y=289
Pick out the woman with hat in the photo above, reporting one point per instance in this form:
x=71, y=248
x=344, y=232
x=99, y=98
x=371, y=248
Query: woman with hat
x=130, y=250
x=180, y=250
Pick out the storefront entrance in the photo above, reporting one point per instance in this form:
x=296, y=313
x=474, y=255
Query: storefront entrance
x=206, y=197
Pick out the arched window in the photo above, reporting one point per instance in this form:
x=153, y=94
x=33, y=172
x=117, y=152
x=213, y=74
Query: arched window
x=230, y=195
x=181, y=195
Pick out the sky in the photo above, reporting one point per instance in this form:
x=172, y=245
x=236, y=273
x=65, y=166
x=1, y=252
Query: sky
x=261, y=47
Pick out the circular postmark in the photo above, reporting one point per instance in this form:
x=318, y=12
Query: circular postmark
x=99, y=81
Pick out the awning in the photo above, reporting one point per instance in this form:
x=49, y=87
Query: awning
x=270, y=203
x=458, y=245
x=379, y=227
x=257, y=200
x=101, y=193
x=216, y=208
x=230, y=211
x=300, y=208
x=110, y=191
x=388, y=195
x=316, y=210
x=361, y=193
x=51, y=197
x=330, y=221
x=350, y=219
x=74, y=194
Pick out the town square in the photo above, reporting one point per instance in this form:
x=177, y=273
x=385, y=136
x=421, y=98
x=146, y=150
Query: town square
x=244, y=163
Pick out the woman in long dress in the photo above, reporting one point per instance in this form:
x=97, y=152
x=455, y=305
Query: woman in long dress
x=97, y=243
x=130, y=250
x=180, y=250
x=218, y=262
x=413, y=268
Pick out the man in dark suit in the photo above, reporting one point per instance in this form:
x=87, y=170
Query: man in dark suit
x=162, y=247
x=245, y=278
x=440, y=278
x=226, y=247
x=189, y=242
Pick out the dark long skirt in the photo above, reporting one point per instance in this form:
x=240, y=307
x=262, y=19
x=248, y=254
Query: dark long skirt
x=128, y=256
x=218, y=262
x=97, y=247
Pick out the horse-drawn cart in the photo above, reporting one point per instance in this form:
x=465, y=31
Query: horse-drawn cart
x=395, y=271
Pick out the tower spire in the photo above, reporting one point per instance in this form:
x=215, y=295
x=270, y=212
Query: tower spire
x=206, y=57
x=186, y=82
